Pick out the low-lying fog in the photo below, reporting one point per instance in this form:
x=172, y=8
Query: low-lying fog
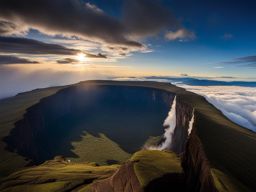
x=237, y=103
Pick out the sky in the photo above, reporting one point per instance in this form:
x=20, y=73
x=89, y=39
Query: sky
x=54, y=42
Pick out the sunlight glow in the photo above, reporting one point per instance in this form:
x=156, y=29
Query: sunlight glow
x=81, y=57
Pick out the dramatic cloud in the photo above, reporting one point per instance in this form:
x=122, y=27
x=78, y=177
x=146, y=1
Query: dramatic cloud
x=99, y=55
x=181, y=35
x=67, y=61
x=236, y=103
x=8, y=59
x=147, y=17
x=8, y=28
x=249, y=61
x=67, y=17
x=87, y=55
x=30, y=46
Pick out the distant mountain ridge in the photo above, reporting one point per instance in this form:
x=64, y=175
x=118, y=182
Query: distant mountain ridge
x=203, y=82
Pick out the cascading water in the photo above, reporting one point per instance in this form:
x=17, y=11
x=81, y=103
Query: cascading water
x=191, y=123
x=170, y=123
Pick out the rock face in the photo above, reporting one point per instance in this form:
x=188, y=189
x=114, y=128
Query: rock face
x=123, y=114
x=196, y=167
x=183, y=116
x=194, y=161
x=218, y=155
x=124, y=180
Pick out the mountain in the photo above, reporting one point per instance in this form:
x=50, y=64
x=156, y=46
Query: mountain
x=97, y=134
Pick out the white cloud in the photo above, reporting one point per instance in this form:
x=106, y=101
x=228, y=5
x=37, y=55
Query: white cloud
x=181, y=35
x=236, y=103
x=93, y=8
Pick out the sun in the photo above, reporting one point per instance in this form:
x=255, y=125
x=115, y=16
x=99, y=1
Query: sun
x=81, y=57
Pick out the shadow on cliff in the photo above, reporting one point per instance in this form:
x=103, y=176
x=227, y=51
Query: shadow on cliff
x=166, y=183
x=126, y=115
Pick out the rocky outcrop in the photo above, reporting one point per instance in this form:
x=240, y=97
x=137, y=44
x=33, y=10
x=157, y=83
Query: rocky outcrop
x=183, y=115
x=196, y=167
x=124, y=180
x=194, y=161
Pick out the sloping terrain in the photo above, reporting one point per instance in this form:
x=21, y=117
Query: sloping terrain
x=146, y=170
x=12, y=110
x=78, y=121
x=218, y=155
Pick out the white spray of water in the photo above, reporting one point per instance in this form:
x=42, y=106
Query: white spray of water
x=170, y=123
x=191, y=123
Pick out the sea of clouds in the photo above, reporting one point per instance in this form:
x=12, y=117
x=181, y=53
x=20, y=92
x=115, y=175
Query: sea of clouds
x=236, y=103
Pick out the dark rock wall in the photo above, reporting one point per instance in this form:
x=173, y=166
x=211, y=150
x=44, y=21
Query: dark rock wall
x=194, y=161
x=126, y=115
x=183, y=116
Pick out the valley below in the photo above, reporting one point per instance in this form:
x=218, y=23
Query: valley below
x=105, y=136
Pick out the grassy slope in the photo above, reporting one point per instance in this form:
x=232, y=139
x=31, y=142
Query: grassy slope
x=94, y=153
x=12, y=110
x=152, y=164
x=60, y=175
x=229, y=147
x=56, y=175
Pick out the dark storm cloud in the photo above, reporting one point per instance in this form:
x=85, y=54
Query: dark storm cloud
x=100, y=55
x=147, y=17
x=9, y=28
x=30, y=46
x=68, y=17
x=85, y=20
x=6, y=27
x=249, y=61
x=67, y=61
x=8, y=59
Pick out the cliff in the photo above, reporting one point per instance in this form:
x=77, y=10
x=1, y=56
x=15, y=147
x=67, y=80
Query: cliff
x=217, y=155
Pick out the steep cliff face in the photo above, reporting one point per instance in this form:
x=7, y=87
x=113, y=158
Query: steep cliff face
x=194, y=161
x=124, y=180
x=127, y=116
x=210, y=158
x=183, y=116
x=196, y=167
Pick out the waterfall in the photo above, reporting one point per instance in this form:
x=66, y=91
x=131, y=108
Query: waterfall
x=191, y=123
x=170, y=123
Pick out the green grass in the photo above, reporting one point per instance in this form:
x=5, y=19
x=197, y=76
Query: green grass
x=152, y=164
x=229, y=147
x=225, y=183
x=54, y=186
x=61, y=175
x=12, y=110
x=56, y=175
x=98, y=149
